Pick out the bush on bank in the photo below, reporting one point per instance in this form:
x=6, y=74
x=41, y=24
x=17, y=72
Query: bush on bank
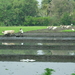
x=41, y=21
x=36, y=21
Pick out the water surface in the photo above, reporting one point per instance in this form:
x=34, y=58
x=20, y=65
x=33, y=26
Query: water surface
x=36, y=68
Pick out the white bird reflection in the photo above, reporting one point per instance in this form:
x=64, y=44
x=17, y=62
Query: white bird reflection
x=27, y=60
x=40, y=43
x=71, y=53
x=5, y=43
x=22, y=43
x=8, y=43
x=40, y=52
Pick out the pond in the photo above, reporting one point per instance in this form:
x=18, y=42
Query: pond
x=36, y=68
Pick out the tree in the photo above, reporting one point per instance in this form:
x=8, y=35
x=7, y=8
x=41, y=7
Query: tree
x=24, y=8
x=59, y=7
x=44, y=6
x=66, y=19
x=73, y=17
x=13, y=12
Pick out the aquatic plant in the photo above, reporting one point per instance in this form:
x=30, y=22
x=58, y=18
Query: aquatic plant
x=73, y=74
x=6, y=69
x=48, y=71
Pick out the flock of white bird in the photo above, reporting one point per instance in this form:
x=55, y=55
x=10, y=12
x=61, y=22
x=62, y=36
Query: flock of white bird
x=61, y=27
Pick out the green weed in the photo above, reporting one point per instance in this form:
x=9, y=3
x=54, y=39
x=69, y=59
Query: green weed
x=48, y=71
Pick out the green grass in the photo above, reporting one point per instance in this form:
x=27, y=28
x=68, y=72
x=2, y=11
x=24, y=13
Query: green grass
x=68, y=31
x=25, y=28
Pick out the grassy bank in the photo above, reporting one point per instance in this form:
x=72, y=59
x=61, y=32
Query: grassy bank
x=31, y=28
x=25, y=28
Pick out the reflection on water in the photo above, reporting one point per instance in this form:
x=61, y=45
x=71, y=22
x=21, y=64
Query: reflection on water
x=8, y=43
x=72, y=53
x=27, y=60
x=5, y=43
x=39, y=43
x=36, y=51
x=35, y=43
x=40, y=52
x=22, y=43
x=33, y=49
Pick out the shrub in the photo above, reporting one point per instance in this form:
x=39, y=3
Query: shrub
x=37, y=21
x=48, y=71
x=73, y=74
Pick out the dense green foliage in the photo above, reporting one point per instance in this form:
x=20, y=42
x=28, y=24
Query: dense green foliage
x=13, y=12
x=60, y=11
x=36, y=21
x=28, y=13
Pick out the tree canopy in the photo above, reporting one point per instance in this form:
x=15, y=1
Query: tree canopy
x=24, y=12
x=59, y=11
x=13, y=12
